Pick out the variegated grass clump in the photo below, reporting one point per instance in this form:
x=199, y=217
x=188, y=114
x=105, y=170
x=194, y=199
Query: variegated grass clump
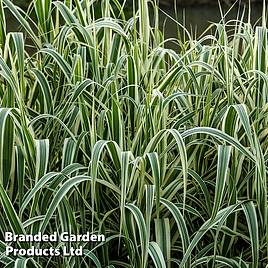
x=103, y=129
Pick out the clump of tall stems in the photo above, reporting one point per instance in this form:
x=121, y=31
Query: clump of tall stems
x=105, y=129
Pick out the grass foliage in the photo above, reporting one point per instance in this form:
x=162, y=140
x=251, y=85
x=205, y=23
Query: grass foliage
x=104, y=129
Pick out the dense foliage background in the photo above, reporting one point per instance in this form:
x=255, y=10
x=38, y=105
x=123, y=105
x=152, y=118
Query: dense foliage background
x=104, y=129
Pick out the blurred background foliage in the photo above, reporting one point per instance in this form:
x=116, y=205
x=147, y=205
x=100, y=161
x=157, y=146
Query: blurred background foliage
x=25, y=3
x=195, y=15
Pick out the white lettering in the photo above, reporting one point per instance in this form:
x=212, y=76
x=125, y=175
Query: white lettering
x=8, y=237
x=9, y=250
